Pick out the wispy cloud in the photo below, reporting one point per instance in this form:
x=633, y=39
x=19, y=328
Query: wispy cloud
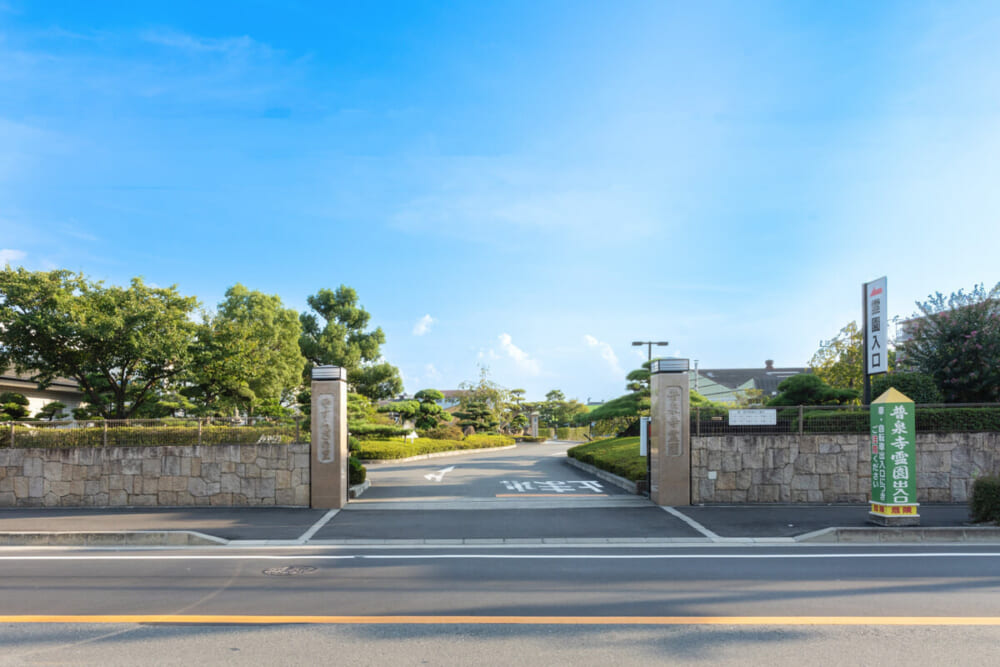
x=11, y=256
x=231, y=46
x=423, y=325
x=607, y=353
x=521, y=358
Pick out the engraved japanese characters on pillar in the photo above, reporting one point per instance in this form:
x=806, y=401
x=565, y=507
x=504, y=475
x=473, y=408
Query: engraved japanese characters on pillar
x=674, y=427
x=325, y=451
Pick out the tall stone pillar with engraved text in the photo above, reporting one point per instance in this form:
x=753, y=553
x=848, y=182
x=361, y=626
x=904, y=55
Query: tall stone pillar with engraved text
x=328, y=467
x=670, y=433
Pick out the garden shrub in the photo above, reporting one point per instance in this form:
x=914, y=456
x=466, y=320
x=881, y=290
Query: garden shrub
x=576, y=433
x=368, y=431
x=488, y=440
x=919, y=387
x=443, y=432
x=356, y=473
x=984, y=503
x=619, y=456
x=927, y=420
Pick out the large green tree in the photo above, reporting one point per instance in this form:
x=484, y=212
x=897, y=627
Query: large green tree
x=13, y=406
x=120, y=344
x=336, y=333
x=956, y=340
x=248, y=353
x=482, y=404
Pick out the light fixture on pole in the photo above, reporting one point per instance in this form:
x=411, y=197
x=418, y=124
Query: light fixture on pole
x=649, y=346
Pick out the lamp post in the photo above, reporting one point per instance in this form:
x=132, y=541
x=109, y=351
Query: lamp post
x=649, y=346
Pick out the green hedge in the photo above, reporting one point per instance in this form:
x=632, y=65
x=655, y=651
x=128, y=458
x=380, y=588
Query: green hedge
x=366, y=431
x=398, y=449
x=145, y=436
x=529, y=438
x=356, y=473
x=985, y=500
x=616, y=455
x=574, y=434
x=927, y=420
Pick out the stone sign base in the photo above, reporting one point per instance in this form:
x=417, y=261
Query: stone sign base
x=893, y=515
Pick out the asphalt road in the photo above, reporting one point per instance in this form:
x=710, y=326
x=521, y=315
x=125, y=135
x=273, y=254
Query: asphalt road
x=500, y=606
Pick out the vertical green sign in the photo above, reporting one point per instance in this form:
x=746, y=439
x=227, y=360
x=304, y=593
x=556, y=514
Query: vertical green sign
x=894, y=455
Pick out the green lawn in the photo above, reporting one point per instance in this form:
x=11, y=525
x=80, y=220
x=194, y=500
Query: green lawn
x=399, y=449
x=617, y=455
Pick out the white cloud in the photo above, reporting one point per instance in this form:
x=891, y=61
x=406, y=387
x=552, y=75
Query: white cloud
x=423, y=325
x=607, y=353
x=520, y=357
x=11, y=256
x=431, y=372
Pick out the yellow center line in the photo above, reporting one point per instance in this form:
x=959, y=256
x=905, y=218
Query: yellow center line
x=508, y=620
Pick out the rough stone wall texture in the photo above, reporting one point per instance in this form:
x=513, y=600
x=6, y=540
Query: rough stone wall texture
x=222, y=475
x=831, y=468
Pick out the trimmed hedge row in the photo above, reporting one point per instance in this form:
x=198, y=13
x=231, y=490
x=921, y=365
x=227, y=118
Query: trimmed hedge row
x=366, y=431
x=574, y=433
x=927, y=419
x=356, y=473
x=398, y=449
x=616, y=455
x=145, y=436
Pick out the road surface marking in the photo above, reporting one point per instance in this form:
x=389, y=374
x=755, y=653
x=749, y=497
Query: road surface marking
x=691, y=522
x=439, y=475
x=509, y=620
x=552, y=495
x=497, y=556
x=306, y=536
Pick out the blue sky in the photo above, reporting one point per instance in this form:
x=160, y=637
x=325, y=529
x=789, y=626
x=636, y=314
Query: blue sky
x=524, y=185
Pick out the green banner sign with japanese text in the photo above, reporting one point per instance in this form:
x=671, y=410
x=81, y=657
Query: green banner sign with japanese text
x=894, y=455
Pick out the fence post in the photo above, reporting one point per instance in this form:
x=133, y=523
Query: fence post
x=199, y=431
x=801, y=411
x=697, y=416
x=105, y=424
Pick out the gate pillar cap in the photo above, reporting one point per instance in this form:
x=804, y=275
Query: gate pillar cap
x=670, y=366
x=329, y=373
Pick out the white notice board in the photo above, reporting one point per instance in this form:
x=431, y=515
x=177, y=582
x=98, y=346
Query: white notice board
x=753, y=417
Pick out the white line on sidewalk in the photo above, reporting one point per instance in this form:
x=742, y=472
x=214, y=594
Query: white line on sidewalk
x=306, y=536
x=691, y=522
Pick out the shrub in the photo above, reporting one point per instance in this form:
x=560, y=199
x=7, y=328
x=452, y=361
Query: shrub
x=918, y=386
x=443, y=432
x=368, y=431
x=356, y=473
x=927, y=419
x=985, y=500
x=529, y=438
x=578, y=433
x=487, y=440
x=618, y=455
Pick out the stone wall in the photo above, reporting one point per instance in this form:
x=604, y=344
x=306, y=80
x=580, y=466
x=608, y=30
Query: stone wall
x=830, y=468
x=225, y=475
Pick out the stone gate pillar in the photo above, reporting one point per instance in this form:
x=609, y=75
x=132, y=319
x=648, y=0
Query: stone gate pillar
x=670, y=433
x=534, y=425
x=328, y=465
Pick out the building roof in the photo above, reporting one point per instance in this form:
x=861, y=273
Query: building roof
x=10, y=377
x=723, y=384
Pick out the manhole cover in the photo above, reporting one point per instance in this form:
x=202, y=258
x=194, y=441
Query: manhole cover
x=288, y=571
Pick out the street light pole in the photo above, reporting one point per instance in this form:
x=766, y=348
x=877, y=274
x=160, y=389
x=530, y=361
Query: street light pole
x=649, y=346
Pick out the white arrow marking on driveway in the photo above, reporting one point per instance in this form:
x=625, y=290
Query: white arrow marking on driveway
x=439, y=475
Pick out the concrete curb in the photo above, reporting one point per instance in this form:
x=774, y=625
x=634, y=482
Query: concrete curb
x=358, y=489
x=903, y=535
x=611, y=478
x=133, y=538
x=437, y=455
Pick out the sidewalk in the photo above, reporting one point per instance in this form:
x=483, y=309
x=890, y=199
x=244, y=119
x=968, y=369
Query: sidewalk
x=355, y=525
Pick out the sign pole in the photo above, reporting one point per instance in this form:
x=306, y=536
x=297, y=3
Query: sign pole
x=866, y=395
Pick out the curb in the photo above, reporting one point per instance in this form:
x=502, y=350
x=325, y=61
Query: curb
x=358, y=489
x=609, y=477
x=436, y=455
x=903, y=535
x=135, y=538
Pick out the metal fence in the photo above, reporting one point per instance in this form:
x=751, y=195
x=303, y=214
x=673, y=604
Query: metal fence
x=151, y=432
x=819, y=419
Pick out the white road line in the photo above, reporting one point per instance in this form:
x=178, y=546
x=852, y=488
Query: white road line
x=306, y=536
x=439, y=475
x=500, y=556
x=691, y=522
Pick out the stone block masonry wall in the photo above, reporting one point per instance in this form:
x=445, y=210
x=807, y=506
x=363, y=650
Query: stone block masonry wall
x=222, y=475
x=831, y=468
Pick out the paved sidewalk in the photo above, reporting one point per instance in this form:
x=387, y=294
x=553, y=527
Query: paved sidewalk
x=642, y=523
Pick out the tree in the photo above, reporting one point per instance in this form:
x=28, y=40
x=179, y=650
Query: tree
x=917, y=386
x=482, y=404
x=335, y=334
x=248, y=352
x=807, y=389
x=430, y=414
x=52, y=411
x=13, y=406
x=957, y=342
x=120, y=344
x=838, y=360
x=516, y=414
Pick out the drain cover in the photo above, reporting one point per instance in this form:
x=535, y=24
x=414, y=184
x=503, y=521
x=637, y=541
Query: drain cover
x=288, y=570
